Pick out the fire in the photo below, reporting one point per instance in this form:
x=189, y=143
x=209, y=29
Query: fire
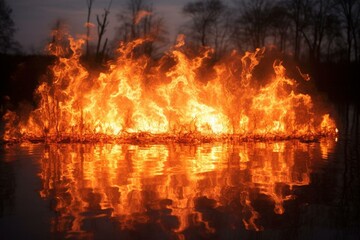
x=173, y=98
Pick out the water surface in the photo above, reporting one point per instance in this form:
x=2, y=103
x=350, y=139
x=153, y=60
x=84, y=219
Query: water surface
x=254, y=190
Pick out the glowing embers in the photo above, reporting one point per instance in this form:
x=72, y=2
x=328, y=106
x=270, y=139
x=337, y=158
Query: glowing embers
x=177, y=98
x=177, y=187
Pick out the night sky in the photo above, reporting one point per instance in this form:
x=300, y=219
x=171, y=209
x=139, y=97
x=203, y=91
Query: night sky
x=34, y=18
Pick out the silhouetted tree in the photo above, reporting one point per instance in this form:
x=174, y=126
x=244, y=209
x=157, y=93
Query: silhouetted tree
x=318, y=15
x=138, y=20
x=279, y=26
x=88, y=24
x=7, y=30
x=59, y=43
x=222, y=33
x=334, y=41
x=102, y=25
x=350, y=13
x=209, y=24
x=297, y=10
x=254, y=21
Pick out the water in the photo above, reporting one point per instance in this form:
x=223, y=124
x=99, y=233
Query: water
x=278, y=190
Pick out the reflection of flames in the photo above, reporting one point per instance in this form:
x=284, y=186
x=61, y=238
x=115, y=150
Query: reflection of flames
x=172, y=97
x=126, y=182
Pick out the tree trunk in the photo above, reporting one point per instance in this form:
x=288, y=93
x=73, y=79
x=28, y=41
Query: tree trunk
x=88, y=27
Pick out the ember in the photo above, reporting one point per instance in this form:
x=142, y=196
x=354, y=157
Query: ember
x=137, y=100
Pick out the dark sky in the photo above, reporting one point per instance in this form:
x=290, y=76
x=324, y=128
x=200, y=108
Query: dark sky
x=35, y=18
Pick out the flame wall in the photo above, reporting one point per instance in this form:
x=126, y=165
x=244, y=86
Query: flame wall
x=174, y=95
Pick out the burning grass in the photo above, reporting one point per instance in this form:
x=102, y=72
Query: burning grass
x=149, y=138
x=175, y=99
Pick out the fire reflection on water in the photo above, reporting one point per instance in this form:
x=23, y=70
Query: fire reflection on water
x=175, y=186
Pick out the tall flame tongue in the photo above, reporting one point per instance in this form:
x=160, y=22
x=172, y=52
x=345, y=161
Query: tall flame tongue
x=168, y=98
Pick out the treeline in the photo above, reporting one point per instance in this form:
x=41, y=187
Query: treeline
x=309, y=30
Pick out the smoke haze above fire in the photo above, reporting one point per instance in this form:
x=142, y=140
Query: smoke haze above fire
x=35, y=18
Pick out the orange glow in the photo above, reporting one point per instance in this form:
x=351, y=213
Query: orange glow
x=326, y=146
x=126, y=182
x=177, y=97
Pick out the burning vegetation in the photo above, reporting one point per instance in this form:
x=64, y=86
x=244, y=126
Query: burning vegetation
x=180, y=98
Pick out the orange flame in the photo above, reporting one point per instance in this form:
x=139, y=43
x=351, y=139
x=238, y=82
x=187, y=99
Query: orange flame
x=140, y=15
x=175, y=96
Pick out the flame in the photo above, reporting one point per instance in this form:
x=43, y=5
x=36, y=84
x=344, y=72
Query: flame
x=126, y=182
x=90, y=25
x=140, y=15
x=179, y=95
